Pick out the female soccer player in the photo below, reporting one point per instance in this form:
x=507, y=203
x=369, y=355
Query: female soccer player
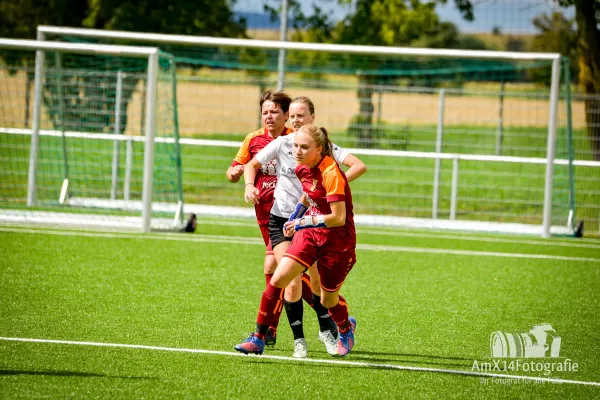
x=287, y=193
x=274, y=108
x=328, y=236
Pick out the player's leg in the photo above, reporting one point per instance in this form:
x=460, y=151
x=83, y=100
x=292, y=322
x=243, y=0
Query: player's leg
x=328, y=332
x=293, y=292
x=270, y=265
x=334, y=265
x=271, y=300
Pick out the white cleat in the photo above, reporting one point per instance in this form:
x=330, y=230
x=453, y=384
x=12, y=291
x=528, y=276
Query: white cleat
x=329, y=341
x=300, y=348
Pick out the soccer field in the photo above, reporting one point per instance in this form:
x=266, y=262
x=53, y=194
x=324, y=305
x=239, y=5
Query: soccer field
x=124, y=315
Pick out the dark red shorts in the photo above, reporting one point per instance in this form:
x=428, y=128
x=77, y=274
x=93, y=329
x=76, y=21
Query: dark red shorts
x=264, y=230
x=334, y=250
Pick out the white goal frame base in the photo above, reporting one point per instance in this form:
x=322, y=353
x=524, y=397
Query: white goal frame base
x=133, y=223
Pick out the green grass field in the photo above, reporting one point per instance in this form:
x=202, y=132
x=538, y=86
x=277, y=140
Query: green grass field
x=423, y=300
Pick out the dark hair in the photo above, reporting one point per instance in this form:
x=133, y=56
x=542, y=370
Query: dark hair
x=320, y=136
x=280, y=98
x=307, y=101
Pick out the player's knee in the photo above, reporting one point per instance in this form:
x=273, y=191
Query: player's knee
x=270, y=264
x=329, y=301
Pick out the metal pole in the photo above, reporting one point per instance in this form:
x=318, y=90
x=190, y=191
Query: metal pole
x=283, y=38
x=438, y=162
x=35, y=128
x=117, y=131
x=500, y=129
x=551, y=148
x=128, y=168
x=571, y=167
x=178, y=161
x=454, y=188
x=380, y=95
x=61, y=115
x=150, y=130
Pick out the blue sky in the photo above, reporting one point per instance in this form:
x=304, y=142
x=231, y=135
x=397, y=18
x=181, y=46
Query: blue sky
x=512, y=16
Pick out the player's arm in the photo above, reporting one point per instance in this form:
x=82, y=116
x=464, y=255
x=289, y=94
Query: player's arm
x=234, y=172
x=251, y=192
x=356, y=168
x=336, y=218
x=236, y=169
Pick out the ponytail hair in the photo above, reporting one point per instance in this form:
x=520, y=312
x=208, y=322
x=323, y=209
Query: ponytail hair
x=321, y=138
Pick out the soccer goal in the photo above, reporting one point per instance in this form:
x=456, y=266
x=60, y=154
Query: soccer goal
x=456, y=139
x=89, y=136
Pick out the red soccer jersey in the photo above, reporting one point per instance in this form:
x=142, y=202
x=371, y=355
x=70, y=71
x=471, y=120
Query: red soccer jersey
x=326, y=183
x=266, y=177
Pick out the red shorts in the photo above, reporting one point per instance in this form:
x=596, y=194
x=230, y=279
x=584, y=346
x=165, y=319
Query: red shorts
x=335, y=250
x=264, y=230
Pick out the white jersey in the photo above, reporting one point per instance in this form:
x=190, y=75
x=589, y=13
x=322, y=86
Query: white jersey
x=288, y=189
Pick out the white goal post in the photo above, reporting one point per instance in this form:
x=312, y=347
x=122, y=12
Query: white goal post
x=48, y=32
x=151, y=54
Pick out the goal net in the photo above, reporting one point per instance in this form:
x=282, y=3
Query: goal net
x=452, y=139
x=74, y=149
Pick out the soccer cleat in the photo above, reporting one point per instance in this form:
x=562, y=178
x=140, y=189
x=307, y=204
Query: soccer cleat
x=346, y=340
x=333, y=328
x=326, y=337
x=300, y=348
x=271, y=338
x=252, y=345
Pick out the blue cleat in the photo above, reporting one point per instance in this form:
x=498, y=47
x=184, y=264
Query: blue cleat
x=252, y=345
x=346, y=340
x=271, y=338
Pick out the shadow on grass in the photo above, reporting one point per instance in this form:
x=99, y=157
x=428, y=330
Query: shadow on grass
x=375, y=358
x=66, y=373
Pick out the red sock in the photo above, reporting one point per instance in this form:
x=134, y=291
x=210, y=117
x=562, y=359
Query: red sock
x=271, y=301
x=268, y=279
x=275, y=321
x=339, y=314
x=307, y=293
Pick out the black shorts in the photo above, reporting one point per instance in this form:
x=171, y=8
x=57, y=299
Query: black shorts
x=276, y=230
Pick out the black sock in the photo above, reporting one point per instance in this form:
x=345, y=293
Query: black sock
x=295, y=312
x=325, y=321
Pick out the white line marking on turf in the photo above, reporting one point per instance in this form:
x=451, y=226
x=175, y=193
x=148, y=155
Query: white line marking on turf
x=246, y=240
x=306, y=360
x=541, y=242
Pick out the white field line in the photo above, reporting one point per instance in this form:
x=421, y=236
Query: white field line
x=245, y=240
x=306, y=360
x=572, y=243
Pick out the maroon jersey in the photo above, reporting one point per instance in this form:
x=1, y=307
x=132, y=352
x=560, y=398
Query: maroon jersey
x=266, y=177
x=326, y=183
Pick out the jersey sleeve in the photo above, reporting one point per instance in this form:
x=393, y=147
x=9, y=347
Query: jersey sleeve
x=334, y=184
x=243, y=154
x=269, y=152
x=339, y=154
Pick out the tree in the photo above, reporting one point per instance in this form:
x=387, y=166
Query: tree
x=379, y=23
x=587, y=17
x=20, y=19
x=557, y=34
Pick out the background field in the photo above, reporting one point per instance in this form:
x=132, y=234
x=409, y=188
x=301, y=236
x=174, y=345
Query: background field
x=422, y=299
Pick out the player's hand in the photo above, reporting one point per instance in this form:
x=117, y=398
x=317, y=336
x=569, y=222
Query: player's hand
x=251, y=194
x=288, y=229
x=237, y=171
